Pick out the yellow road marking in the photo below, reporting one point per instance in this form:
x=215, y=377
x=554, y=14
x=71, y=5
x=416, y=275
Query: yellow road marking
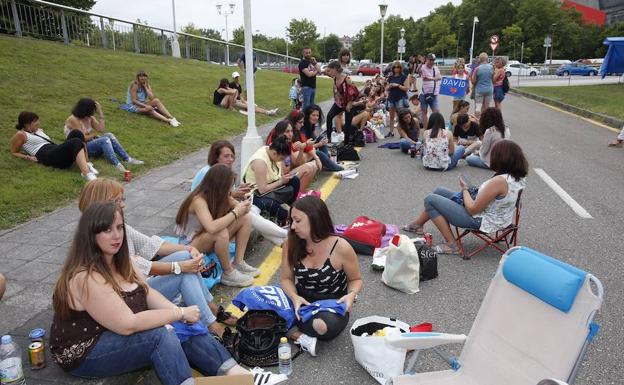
x=575, y=115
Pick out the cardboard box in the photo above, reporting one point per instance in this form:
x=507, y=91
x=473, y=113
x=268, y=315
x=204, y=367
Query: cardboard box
x=239, y=379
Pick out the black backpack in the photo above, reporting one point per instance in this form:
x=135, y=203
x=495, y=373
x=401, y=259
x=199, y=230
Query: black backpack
x=258, y=337
x=346, y=152
x=505, y=84
x=358, y=139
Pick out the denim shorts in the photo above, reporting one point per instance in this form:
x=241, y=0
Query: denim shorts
x=397, y=104
x=499, y=95
x=424, y=105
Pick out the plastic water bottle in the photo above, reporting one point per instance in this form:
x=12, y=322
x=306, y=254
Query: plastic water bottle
x=11, y=370
x=285, y=357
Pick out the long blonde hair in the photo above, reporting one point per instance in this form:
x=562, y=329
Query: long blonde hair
x=99, y=190
x=86, y=256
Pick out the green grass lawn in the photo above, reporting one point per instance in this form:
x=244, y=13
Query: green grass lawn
x=48, y=78
x=607, y=99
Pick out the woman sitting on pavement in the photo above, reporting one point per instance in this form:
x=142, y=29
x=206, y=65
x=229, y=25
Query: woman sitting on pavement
x=493, y=129
x=409, y=130
x=209, y=217
x=493, y=207
x=302, y=159
x=222, y=152
x=317, y=265
x=439, y=148
x=297, y=121
x=273, y=189
x=463, y=107
x=227, y=97
x=108, y=322
x=466, y=134
x=174, y=274
x=83, y=119
x=141, y=100
x=37, y=147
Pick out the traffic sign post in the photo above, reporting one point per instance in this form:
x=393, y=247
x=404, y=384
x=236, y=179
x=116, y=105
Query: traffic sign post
x=494, y=40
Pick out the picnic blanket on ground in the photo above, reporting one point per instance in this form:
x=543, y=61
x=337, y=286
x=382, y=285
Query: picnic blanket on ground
x=392, y=146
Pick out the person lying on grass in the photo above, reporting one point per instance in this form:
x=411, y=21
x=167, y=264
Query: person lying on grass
x=141, y=100
x=227, y=97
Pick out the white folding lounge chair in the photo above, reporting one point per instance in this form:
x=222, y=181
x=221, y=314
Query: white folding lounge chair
x=535, y=323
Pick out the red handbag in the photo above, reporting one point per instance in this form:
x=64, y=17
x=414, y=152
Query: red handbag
x=365, y=230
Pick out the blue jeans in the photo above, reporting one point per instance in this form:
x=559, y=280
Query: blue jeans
x=476, y=161
x=455, y=157
x=190, y=285
x=108, y=145
x=274, y=208
x=440, y=203
x=424, y=104
x=308, y=97
x=115, y=354
x=328, y=164
x=406, y=145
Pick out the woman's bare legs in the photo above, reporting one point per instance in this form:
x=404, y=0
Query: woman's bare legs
x=220, y=243
x=153, y=113
x=240, y=229
x=339, y=118
x=306, y=171
x=81, y=162
x=156, y=103
x=439, y=221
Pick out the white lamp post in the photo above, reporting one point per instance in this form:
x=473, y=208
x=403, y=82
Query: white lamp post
x=251, y=141
x=175, y=46
x=226, y=13
x=287, y=58
x=458, y=34
x=402, y=38
x=382, y=10
x=474, y=23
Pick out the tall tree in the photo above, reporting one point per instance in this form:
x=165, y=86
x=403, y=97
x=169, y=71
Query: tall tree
x=302, y=33
x=512, y=35
x=80, y=4
x=330, y=47
x=439, y=31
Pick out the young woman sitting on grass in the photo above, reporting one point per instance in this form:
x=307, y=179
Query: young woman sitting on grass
x=176, y=273
x=493, y=207
x=108, y=322
x=222, y=152
x=99, y=142
x=227, y=97
x=209, y=217
x=32, y=144
x=141, y=100
x=317, y=265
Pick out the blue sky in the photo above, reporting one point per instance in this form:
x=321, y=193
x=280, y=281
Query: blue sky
x=269, y=17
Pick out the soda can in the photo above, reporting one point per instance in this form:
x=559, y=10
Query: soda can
x=36, y=355
x=127, y=175
x=428, y=239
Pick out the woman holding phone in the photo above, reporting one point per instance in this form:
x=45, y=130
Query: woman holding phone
x=141, y=100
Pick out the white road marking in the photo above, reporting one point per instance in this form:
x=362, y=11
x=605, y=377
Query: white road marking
x=578, y=209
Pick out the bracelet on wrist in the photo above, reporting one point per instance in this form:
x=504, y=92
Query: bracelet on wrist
x=234, y=213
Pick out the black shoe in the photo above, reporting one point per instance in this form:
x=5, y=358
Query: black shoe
x=388, y=135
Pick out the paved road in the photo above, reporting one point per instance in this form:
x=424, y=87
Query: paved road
x=391, y=187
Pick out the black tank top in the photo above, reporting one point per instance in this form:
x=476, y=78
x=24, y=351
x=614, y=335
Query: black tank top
x=323, y=283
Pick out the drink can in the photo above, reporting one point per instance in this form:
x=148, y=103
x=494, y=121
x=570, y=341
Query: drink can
x=36, y=355
x=127, y=175
x=428, y=239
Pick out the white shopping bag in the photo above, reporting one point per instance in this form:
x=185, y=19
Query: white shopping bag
x=380, y=360
x=337, y=137
x=402, y=268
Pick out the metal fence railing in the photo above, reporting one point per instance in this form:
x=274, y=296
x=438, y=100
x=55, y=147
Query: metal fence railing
x=44, y=20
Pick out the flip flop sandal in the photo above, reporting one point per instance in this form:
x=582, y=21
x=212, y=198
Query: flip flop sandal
x=443, y=248
x=226, y=317
x=616, y=144
x=418, y=230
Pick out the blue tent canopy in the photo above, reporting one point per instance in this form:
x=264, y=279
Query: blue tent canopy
x=614, y=59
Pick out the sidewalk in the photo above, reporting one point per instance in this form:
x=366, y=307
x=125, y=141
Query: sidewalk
x=32, y=254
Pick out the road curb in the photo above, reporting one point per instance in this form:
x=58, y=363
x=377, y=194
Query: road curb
x=604, y=119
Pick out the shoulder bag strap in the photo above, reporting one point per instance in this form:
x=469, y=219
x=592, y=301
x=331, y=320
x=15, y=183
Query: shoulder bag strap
x=42, y=137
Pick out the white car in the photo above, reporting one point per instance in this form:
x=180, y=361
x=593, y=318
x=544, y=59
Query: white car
x=520, y=69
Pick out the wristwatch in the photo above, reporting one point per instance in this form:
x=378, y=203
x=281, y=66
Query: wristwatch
x=176, y=268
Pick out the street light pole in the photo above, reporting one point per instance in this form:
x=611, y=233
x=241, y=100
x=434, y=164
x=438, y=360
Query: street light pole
x=287, y=58
x=226, y=13
x=251, y=141
x=474, y=23
x=382, y=10
x=175, y=45
x=402, y=36
x=552, y=44
x=458, y=34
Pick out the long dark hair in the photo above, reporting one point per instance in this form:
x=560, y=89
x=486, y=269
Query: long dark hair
x=86, y=256
x=215, y=151
x=321, y=227
x=308, y=129
x=24, y=118
x=492, y=117
x=507, y=158
x=84, y=108
x=214, y=189
x=460, y=105
x=278, y=130
x=435, y=124
x=224, y=83
x=293, y=117
x=412, y=124
x=343, y=52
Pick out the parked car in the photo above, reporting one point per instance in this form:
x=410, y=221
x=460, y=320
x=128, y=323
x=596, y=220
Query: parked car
x=520, y=69
x=367, y=70
x=576, y=69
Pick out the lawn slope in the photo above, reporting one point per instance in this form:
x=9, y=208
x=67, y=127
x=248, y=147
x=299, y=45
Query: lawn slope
x=48, y=78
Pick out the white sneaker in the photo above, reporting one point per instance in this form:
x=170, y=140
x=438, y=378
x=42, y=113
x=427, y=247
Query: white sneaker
x=173, y=122
x=92, y=169
x=90, y=176
x=307, y=343
x=120, y=167
x=264, y=377
x=247, y=269
x=176, y=120
x=134, y=161
x=236, y=279
x=243, y=112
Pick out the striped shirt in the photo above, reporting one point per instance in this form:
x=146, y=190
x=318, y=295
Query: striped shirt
x=34, y=141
